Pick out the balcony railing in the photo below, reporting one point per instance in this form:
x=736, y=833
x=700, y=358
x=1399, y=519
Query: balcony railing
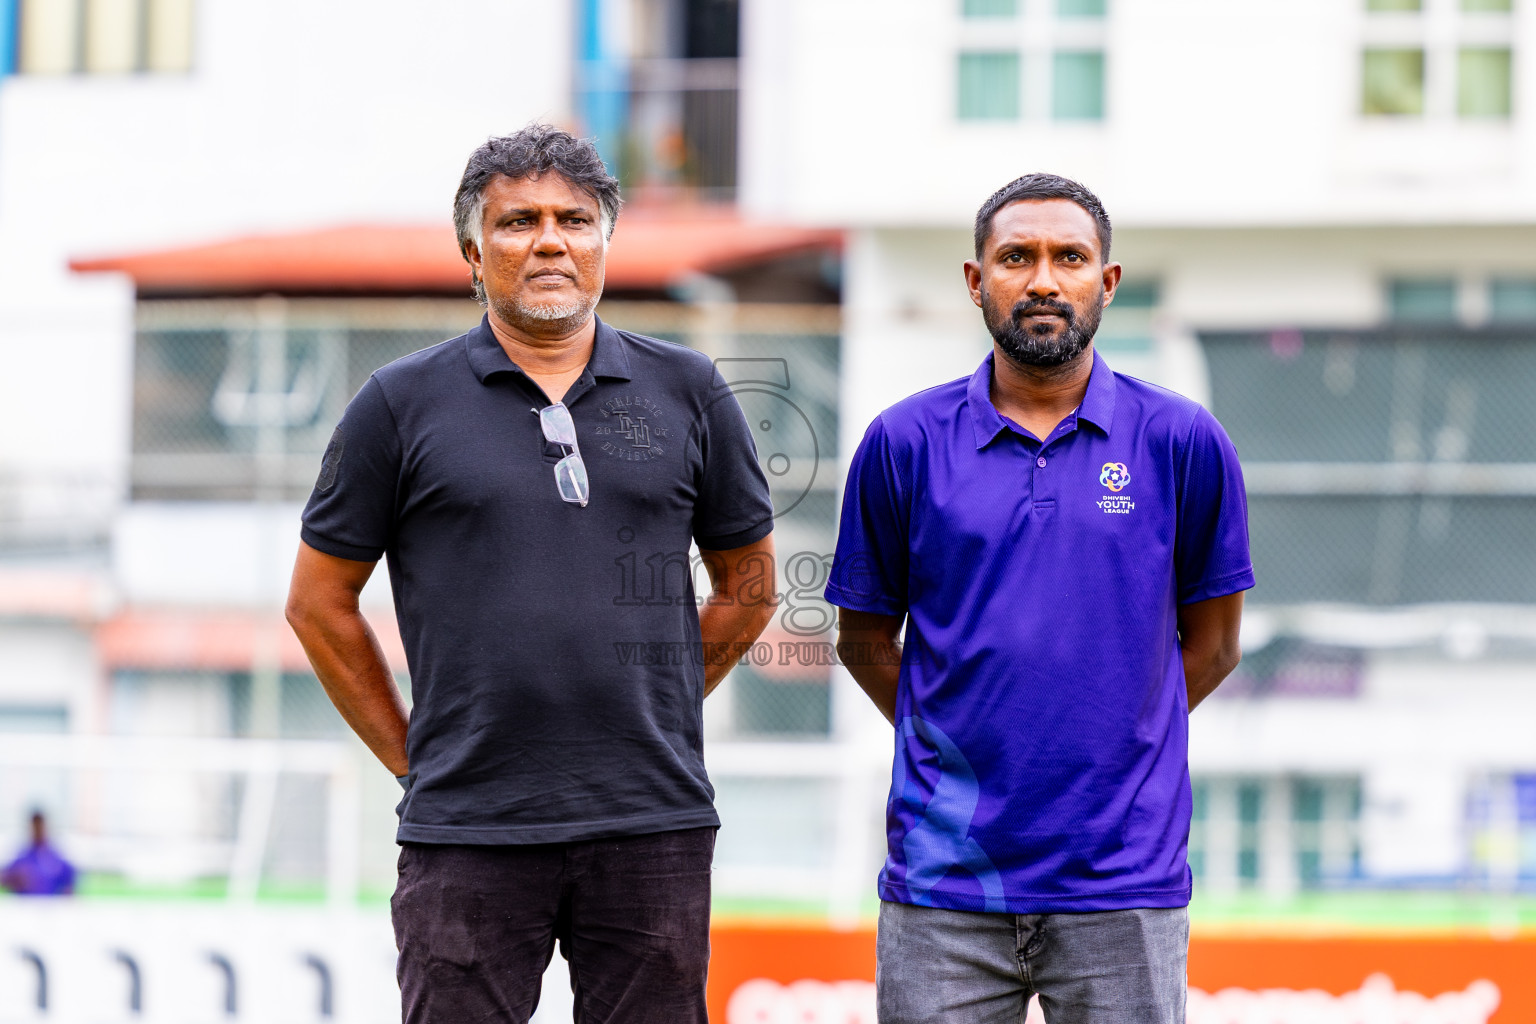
x=669, y=125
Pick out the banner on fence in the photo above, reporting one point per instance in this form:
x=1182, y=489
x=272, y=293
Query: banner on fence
x=762, y=975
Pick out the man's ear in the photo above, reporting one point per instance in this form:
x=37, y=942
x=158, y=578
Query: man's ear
x=1112, y=273
x=973, y=280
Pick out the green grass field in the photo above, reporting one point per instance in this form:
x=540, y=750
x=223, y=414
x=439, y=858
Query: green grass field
x=1375, y=911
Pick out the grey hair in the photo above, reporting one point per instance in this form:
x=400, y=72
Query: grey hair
x=1042, y=186
x=531, y=152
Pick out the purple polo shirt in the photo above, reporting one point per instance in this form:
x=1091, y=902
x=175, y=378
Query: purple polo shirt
x=39, y=871
x=1042, y=742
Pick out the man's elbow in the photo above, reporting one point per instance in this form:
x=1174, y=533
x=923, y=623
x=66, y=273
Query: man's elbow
x=297, y=611
x=1227, y=659
x=304, y=610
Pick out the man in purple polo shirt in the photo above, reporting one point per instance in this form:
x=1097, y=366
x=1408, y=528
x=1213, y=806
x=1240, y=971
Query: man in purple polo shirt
x=39, y=870
x=1067, y=548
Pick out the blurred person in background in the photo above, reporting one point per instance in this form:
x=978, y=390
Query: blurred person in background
x=553, y=790
x=39, y=870
x=1068, y=550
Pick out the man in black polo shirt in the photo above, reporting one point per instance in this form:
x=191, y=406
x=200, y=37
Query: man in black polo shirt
x=554, y=789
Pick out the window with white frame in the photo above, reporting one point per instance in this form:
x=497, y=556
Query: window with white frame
x=1438, y=59
x=1031, y=59
x=1276, y=832
x=60, y=37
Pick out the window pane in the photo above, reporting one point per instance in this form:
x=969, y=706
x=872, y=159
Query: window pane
x=1307, y=801
x=1512, y=301
x=1250, y=803
x=1080, y=8
x=1394, y=5
x=1393, y=82
x=989, y=86
x=49, y=36
x=990, y=8
x=168, y=35
x=1424, y=300
x=27, y=719
x=111, y=36
x=1483, y=83
x=1487, y=5
x=770, y=707
x=1137, y=294
x=1077, y=87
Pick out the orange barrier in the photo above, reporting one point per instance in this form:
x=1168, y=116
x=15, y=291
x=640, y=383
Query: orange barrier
x=765, y=975
x=1431, y=966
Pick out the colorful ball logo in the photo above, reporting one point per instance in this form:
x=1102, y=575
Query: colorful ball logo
x=1114, y=475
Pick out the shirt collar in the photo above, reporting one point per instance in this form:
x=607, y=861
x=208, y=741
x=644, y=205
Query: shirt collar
x=487, y=358
x=1098, y=405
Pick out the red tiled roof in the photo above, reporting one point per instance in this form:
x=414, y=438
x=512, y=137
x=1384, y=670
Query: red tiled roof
x=650, y=250
x=217, y=640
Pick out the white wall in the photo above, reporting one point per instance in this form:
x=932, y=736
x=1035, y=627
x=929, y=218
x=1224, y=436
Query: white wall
x=296, y=115
x=1218, y=114
x=214, y=555
x=1422, y=728
x=45, y=664
x=910, y=324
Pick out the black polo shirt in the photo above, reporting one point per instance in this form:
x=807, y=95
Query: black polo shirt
x=552, y=648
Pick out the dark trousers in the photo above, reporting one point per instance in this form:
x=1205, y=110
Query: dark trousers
x=476, y=927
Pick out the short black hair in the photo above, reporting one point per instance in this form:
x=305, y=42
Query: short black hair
x=530, y=152
x=1042, y=186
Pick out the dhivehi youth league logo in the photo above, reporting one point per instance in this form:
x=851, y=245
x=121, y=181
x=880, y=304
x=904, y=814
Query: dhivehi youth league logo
x=1114, y=475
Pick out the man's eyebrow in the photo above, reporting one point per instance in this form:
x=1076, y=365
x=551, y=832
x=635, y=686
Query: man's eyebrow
x=534, y=211
x=1051, y=244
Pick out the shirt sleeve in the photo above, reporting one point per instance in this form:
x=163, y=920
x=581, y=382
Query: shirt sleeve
x=733, y=508
x=351, y=512
x=1211, y=557
x=869, y=569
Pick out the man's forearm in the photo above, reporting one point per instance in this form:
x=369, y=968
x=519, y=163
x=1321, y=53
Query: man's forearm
x=1208, y=643
x=877, y=680
x=868, y=648
x=728, y=630
x=347, y=657
x=742, y=598
x=1204, y=671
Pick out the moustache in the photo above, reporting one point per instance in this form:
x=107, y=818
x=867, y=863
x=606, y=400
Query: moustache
x=1054, y=306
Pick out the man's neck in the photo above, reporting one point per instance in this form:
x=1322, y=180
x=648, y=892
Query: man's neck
x=544, y=348
x=1038, y=398
x=554, y=357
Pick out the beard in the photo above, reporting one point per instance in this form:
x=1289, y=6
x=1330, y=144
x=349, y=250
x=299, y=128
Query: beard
x=1040, y=344
x=558, y=313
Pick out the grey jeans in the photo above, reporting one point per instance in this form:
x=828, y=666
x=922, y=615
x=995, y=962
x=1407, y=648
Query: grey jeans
x=958, y=967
